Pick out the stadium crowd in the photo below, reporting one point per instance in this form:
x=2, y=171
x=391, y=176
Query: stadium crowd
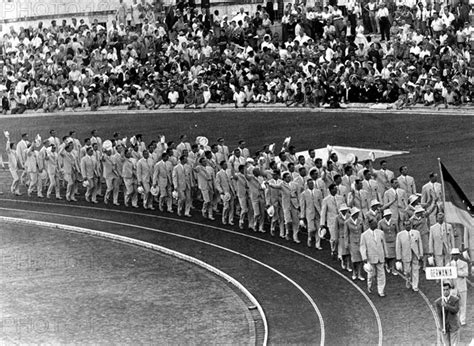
x=289, y=192
x=400, y=53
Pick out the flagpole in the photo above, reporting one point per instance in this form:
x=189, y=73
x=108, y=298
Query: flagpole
x=442, y=185
x=444, y=210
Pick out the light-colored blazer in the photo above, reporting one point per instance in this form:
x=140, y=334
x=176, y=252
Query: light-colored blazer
x=397, y=208
x=223, y=183
x=407, y=183
x=407, y=244
x=463, y=271
x=162, y=174
x=88, y=167
x=372, y=246
x=438, y=240
x=145, y=170
x=330, y=210
x=310, y=204
x=179, y=177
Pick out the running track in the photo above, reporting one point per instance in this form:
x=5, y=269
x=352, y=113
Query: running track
x=306, y=298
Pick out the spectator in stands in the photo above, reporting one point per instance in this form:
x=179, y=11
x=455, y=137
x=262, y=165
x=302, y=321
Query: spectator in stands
x=325, y=57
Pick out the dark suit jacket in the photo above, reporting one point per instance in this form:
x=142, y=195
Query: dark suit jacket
x=450, y=313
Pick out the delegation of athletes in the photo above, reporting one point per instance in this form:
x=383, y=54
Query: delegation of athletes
x=368, y=215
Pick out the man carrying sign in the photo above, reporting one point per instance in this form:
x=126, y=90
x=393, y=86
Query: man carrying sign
x=450, y=304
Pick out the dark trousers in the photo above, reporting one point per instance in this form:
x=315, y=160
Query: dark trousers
x=19, y=109
x=384, y=28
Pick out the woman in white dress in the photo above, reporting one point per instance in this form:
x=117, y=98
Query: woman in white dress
x=360, y=37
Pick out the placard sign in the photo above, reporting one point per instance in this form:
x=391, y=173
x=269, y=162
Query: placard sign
x=438, y=273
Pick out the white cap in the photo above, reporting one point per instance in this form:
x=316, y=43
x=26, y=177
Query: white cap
x=455, y=251
x=354, y=210
x=419, y=209
x=343, y=207
x=374, y=203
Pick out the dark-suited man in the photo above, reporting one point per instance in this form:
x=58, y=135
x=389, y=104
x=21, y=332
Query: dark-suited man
x=450, y=304
x=373, y=250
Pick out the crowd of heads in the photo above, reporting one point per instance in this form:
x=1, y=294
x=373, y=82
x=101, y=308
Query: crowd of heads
x=305, y=54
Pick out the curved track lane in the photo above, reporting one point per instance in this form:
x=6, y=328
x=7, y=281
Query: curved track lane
x=260, y=336
x=288, y=322
x=342, y=306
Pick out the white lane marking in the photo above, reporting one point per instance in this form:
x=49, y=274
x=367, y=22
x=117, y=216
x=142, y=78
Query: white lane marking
x=430, y=306
x=153, y=247
x=308, y=297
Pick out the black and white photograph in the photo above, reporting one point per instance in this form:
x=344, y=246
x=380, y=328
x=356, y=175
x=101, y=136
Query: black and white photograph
x=237, y=172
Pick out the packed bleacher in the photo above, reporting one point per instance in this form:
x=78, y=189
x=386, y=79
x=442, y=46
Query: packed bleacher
x=312, y=54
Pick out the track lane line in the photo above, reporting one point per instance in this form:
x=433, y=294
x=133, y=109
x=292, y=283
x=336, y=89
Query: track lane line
x=430, y=306
x=307, y=296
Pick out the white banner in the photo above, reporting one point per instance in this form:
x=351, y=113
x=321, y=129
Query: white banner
x=347, y=154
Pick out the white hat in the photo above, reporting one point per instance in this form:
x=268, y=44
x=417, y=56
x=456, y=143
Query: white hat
x=419, y=209
x=374, y=203
x=354, y=210
x=399, y=266
x=201, y=140
x=322, y=232
x=343, y=207
x=412, y=199
x=107, y=145
x=174, y=194
x=155, y=191
x=351, y=158
x=250, y=160
x=387, y=212
x=271, y=211
x=368, y=268
x=431, y=261
x=455, y=251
